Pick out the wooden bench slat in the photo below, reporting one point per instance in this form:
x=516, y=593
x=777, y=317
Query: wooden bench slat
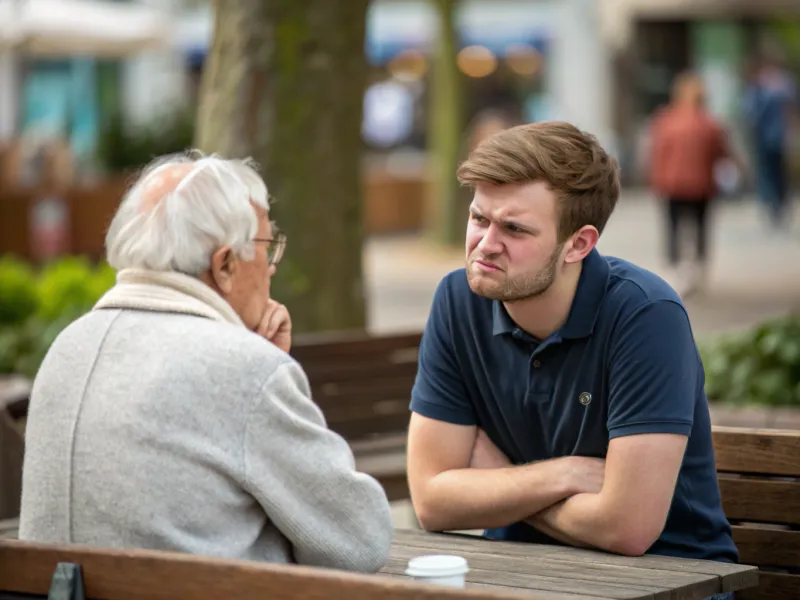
x=389, y=468
x=544, y=595
x=369, y=370
x=331, y=346
x=362, y=391
x=395, y=443
x=773, y=586
x=367, y=427
x=775, y=548
x=115, y=574
x=387, y=404
x=772, y=452
x=765, y=500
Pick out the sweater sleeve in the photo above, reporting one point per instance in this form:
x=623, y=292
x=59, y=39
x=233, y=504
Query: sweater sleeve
x=304, y=476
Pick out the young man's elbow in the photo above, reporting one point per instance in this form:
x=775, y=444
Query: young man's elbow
x=630, y=546
x=431, y=515
x=428, y=518
x=634, y=540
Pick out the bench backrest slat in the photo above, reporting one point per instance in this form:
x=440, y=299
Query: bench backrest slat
x=340, y=346
x=759, y=479
x=362, y=383
x=757, y=451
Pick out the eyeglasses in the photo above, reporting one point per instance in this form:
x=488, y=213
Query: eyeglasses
x=275, y=248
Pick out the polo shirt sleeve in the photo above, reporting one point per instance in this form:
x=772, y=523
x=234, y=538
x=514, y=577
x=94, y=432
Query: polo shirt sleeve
x=439, y=390
x=655, y=371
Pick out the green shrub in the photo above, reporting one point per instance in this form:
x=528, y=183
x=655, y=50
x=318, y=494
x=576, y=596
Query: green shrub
x=70, y=286
x=36, y=306
x=18, y=294
x=23, y=347
x=758, y=366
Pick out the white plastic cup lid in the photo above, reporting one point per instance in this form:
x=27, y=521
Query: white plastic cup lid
x=437, y=565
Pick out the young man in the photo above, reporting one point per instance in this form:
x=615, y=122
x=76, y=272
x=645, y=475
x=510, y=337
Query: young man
x=559, y=397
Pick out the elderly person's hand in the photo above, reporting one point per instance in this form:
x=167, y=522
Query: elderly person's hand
x=276, y=325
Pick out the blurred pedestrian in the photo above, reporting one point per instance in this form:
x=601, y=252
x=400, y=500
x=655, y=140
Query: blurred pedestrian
x=687, y=142
x=769, y=100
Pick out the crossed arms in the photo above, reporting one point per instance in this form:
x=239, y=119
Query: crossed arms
x=460, y=480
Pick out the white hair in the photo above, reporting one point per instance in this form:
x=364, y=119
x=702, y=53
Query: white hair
x=211, y=206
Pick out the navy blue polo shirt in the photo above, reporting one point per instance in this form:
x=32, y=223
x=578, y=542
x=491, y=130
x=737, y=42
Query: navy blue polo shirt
x=624, y=363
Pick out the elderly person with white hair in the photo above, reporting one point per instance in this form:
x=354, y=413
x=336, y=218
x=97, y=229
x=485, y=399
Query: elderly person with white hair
x=171, y=416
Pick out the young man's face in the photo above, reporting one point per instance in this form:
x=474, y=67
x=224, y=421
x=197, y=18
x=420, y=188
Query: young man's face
x=512, y=246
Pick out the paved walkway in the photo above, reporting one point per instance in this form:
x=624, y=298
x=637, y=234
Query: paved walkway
x=755, y=273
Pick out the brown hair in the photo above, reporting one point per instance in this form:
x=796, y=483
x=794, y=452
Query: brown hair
x=572, y=162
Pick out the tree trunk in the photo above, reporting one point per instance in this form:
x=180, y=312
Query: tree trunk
x=446, y=218
x=284, y=83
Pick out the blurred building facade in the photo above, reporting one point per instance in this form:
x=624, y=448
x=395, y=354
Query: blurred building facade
x=63, y=65
x=606, y=65
x=648, y=42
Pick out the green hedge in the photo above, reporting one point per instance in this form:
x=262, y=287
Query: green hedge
x=35, y=305
x=758, y=366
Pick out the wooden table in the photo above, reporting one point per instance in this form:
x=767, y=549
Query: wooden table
x=560, y=573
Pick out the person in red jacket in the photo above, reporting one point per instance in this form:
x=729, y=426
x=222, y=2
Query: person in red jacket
x=686, y=144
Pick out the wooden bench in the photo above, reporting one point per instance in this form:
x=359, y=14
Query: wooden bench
x=759, y=477
x=363, y=385
x=26, y=571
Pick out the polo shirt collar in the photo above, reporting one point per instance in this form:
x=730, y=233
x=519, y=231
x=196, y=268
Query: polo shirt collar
x=589, y=296
x=501, y=322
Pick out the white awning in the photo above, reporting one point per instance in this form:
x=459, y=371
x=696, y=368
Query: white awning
x=617, y=17
x=81, y=27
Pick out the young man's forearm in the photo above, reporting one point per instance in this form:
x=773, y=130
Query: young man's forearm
x=540, y=524
x=588, y=519
x=488, y=498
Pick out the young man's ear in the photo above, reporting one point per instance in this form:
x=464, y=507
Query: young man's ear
x=223, y=267
x=583, y=241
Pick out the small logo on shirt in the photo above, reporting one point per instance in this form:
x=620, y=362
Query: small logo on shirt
x=585, y=398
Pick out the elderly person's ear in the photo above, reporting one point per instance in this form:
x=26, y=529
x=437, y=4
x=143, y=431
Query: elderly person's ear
x=223, y=266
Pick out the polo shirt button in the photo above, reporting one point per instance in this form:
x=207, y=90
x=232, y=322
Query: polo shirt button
x=537, y=363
